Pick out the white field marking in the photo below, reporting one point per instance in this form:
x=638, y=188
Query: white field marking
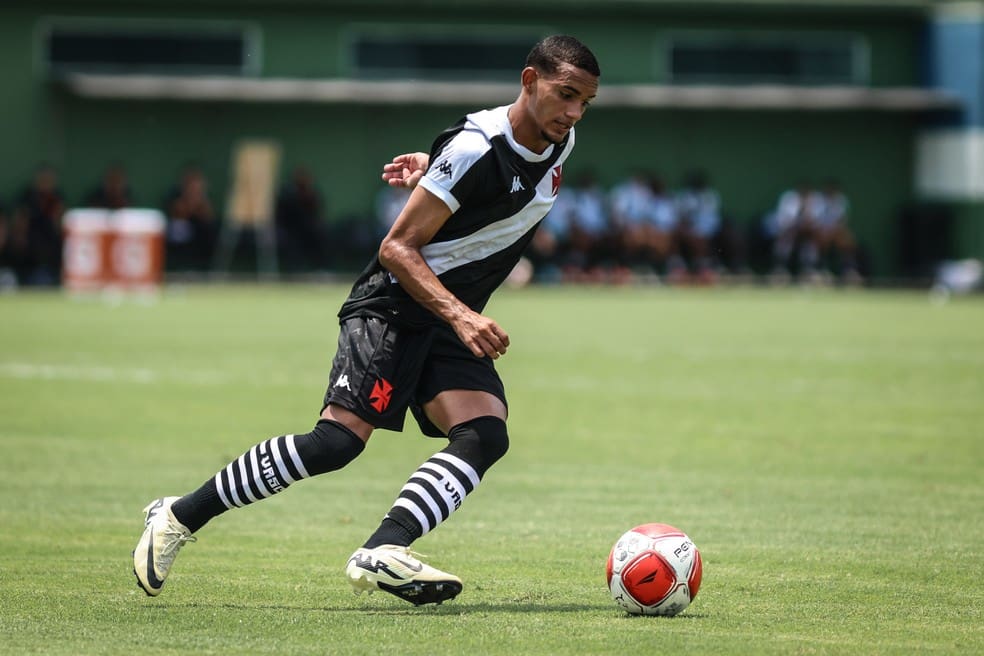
x=147, y=376
x=84, y=373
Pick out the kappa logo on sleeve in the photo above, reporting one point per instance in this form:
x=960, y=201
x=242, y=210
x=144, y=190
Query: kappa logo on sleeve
x=379, y=397
x=445, y=168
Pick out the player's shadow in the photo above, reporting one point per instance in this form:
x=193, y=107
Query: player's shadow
x=477, y=608
x=520, y=607
x=442, y=610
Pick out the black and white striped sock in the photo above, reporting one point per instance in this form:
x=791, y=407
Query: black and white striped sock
x=436, y=490
x=428, y=498
x=268, y=468
x=440, y=485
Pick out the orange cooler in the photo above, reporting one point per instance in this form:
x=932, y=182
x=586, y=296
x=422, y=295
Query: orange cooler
x=88, y=237
x=137, y=249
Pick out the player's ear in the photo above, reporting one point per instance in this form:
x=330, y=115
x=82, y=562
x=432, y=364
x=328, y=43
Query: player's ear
x=529, y=77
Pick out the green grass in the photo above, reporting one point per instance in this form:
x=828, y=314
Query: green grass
x=825, y=451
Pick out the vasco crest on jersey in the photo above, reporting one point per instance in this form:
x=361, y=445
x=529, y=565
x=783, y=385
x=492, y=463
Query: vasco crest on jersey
x=556, y=177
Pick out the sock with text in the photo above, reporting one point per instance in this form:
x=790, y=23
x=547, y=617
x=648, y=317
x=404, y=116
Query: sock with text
x=268, y=468
x=439, y=486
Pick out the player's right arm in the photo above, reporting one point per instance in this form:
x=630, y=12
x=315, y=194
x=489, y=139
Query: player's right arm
x=400, y=254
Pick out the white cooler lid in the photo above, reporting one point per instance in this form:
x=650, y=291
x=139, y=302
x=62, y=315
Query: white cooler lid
x=139, y=220
x=86, y=219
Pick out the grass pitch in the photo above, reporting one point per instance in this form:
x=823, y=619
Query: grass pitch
x=825, y=451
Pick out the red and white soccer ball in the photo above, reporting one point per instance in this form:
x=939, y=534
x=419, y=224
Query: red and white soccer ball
x=654, y=569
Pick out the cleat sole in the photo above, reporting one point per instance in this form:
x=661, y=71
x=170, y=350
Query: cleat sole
x=420, y=593
x=361, y=583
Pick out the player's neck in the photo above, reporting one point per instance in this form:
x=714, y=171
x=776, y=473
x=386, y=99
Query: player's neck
x=524, y=129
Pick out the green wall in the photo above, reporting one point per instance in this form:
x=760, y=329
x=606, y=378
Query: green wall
x=751, y=156
x=968, y=237
x=24, y=117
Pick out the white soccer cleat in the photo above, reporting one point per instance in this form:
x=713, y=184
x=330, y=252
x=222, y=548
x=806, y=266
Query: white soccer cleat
x=398, y=571
x=162, y=537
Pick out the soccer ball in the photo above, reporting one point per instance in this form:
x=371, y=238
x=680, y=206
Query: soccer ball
x=654, y=569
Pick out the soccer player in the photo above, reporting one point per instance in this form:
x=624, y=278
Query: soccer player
x=413, y=335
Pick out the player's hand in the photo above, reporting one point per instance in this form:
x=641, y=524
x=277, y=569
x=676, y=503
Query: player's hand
x=406, y=170
x=483, y=336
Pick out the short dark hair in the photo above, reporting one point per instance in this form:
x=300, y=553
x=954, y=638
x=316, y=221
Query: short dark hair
x=547, y=55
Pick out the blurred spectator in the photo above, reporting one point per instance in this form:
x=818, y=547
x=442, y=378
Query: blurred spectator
x=17, y=246
x=833, y=239
x=699, y=224
x=663, y=223
x=389, y=204
x=43, y=206
x=788, y=228
x=301, y=232
x=113, y=191
x=590, y=238
x=548, y=251
x=192, y=228
x=8, y=272
x=634, y=222
x=706, y=239
x=4, y=234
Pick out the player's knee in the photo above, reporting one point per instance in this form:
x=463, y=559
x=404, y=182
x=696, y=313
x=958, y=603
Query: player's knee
x=483, y=441
x=494, y=438
x=328, y=447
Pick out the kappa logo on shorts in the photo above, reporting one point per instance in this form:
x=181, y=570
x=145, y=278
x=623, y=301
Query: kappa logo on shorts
x=382, y=392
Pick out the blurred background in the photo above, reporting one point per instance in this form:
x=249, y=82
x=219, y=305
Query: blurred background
x=819, y=141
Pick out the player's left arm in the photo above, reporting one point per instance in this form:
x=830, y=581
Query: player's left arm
x=400, y=253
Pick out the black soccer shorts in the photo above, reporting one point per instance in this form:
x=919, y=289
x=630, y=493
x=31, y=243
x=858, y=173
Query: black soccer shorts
x=381, y=369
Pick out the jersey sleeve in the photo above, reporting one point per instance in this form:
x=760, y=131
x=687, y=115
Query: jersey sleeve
x=447, y=177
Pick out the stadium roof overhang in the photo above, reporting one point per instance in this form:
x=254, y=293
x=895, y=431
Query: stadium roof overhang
x=365, y=92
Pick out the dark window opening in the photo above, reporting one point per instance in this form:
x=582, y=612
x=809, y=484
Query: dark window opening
x=452, y=57
x=146, y=51
x=779, y=62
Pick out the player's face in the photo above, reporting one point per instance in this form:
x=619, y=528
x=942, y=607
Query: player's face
x=560, y=100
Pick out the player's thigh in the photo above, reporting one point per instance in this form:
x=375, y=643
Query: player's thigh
x=349, y=419
x=455, y=386
x=453, y=407
x=374, y=374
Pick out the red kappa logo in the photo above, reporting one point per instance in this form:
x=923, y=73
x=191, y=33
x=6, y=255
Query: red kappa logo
x=379, y=397
x=557, y=177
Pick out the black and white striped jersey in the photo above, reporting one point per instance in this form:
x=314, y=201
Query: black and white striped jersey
x=497, y=190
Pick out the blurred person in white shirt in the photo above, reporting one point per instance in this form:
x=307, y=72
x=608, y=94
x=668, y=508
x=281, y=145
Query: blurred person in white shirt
x=834, y=239
x=698, y=222
x=642, y=219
